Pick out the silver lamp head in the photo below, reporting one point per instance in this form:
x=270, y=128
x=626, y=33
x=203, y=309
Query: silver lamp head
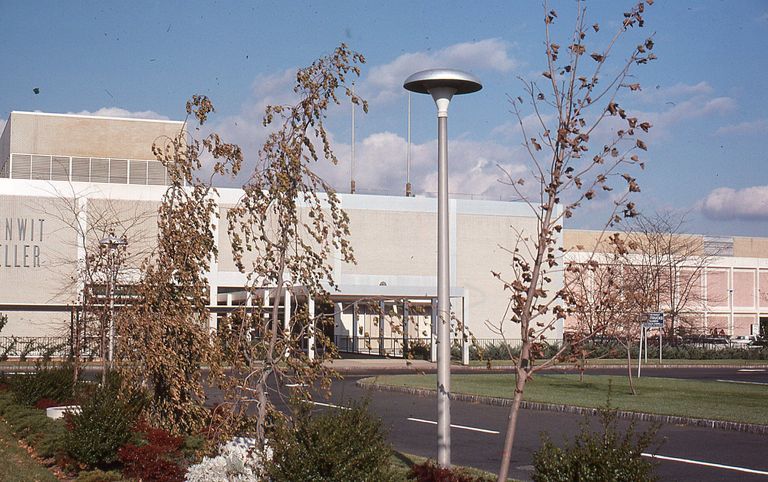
x=113, y=241
x=425, y=81
x=442, y=85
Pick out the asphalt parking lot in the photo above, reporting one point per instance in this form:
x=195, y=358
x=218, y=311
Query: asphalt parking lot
x=684, y=452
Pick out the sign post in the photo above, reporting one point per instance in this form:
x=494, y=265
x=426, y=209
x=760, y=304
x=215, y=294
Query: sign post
x=655, y=320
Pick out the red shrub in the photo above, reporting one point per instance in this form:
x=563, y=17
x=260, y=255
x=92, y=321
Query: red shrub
x=429, y=472
x=157, y=460
x=44, y=403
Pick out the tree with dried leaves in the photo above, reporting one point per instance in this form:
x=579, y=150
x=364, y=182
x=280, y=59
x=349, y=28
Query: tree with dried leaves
x=286, y=231
x=164, y=334
x=580, y=94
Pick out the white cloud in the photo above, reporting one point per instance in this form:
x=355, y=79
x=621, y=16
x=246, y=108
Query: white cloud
x=724, y=203
x=385, y=82
x=757, y=126
x=380, y=167
x=118, y=112
x=2, y=125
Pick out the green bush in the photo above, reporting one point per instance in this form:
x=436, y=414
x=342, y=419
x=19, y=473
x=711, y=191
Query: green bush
x=55, y=383
x=340, y=445
x=103, y=425
x=47, y=436
x=607, y=456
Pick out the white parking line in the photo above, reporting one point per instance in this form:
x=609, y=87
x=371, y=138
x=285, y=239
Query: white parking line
x=330, y=405
x=463, y=427
x=751, y=370
x=739, y=381
x=706, y=464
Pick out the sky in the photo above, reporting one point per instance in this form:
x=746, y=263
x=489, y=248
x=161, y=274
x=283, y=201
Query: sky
x=706, y=94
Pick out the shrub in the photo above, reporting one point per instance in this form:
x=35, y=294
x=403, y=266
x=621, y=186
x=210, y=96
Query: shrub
x=607, y=456
x=52, y=383
x=419, y=350
x=103, y=425
x=345, y=445
x=156, y=457
x=431, y=472
x=32, y=425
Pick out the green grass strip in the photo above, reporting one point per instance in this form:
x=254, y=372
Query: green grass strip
x=598, y=362
x=665, y=396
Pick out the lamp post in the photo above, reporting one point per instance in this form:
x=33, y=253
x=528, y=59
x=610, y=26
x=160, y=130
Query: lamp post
x=112, y=243
x=442, y=85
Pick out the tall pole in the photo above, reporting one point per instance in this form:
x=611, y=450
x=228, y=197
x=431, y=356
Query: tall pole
x=408, y=153
x=443, y=298
x=442, y=85
x=111, y=306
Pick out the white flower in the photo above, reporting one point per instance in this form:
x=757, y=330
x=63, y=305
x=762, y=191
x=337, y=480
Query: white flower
x=239, y=460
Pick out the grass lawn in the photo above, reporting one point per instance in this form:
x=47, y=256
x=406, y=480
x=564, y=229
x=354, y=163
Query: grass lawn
x=16, y=464
x=598, y=362
x=666, y=396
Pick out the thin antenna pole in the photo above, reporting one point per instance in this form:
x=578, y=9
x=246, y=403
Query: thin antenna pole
x=408, y=191
x=352, y=156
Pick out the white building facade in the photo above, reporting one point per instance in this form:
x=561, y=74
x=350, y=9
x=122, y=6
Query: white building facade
x=62, y=176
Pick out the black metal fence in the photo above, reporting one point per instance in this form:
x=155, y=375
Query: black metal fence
x=45, y=347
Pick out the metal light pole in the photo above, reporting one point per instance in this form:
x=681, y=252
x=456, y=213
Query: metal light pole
x=442, y=85
x=112, y=243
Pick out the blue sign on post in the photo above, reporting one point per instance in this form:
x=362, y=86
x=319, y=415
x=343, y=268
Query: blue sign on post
x=655, y=320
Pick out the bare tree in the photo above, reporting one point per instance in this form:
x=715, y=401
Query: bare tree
x=581, y=93
x=667, y=265
x=603, y=301
x=91, y=274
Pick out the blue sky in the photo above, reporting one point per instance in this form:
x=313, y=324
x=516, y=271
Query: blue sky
x=707, y=94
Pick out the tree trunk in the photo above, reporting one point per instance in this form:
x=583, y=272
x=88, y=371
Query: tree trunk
x=514, y=411
x=629, y=368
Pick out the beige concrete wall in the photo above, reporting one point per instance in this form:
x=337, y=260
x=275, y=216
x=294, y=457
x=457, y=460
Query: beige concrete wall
x=480, y=250
x=38, y=251
x=36, y=324
x=750, y=247
x=38, y=133
x=393, y=243
x=134, y=220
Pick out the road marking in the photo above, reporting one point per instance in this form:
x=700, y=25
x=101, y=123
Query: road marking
x=706, y=464
x=330, y=405
x=739, y=381
x=751, y=370
x=463, y=427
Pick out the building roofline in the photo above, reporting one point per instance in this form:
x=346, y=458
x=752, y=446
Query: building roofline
x=96, y=117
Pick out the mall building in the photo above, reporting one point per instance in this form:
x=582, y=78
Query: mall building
x=728, y=292
x=68, y=180
x=65, y=180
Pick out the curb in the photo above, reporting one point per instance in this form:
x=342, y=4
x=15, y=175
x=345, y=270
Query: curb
x=553, y=407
